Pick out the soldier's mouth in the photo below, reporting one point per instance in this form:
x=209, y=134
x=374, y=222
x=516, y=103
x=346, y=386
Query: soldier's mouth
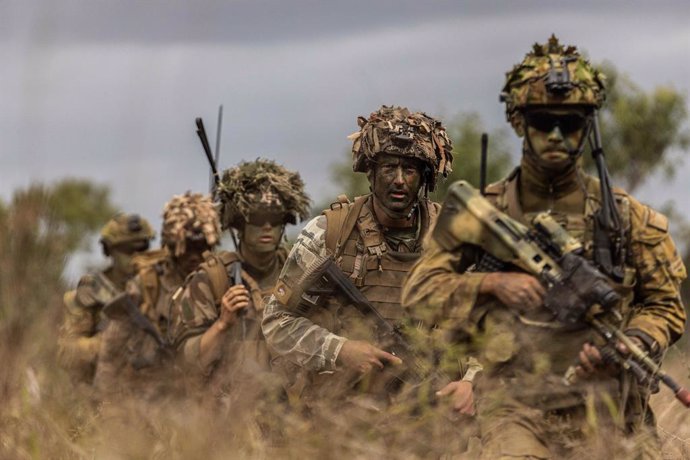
x=398, y=195
x=266, y=239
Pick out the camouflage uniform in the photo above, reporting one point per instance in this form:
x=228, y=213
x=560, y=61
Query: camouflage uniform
x=375, y=258
x=80, y=334
x=525, y=411
x=130, y=360
x=243, y=360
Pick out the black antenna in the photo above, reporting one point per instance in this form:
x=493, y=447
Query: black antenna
x=482, y=163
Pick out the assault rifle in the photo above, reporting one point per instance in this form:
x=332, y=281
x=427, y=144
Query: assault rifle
x=577, y=292
x=323, y=277
x=122, y=307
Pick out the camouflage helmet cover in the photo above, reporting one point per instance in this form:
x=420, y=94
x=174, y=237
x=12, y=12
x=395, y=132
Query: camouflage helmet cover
x=191, y=216
x=261, y=185
x=551, y=74
x=397, y=131
x=126, y=228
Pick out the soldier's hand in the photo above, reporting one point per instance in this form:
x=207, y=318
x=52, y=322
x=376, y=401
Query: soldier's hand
x=592, y=363
x=362, y=356
x=518, y=291
x=235, y=299
x=461, y=394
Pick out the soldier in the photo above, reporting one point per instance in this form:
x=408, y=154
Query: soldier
x=131, y=360
x=218, y=332
x=374, y=240
x=79, y=341
x=526, y=411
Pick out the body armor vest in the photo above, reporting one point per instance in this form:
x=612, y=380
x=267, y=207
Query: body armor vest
x=363, y=254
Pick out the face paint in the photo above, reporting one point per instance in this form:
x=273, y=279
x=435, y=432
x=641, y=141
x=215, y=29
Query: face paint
x=555, y=137
x=193, y=255
x=261, y=238
x=396, y=182
x=122, y=254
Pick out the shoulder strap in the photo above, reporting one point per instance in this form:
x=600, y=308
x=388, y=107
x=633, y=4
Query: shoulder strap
x=215, y=266
x=341, y=219
x=150, y=285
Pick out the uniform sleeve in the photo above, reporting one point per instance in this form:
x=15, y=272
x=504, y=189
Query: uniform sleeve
x=197, y=311
x=289, y=334
x=659, y=316
x=435, y=291
x=112, y=353
x=78, y=340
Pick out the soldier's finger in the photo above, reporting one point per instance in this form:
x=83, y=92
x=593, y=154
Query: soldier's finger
x=391, y=358
x=584, y=362
x=375, y=361
x=593, y=354
x=445, y=391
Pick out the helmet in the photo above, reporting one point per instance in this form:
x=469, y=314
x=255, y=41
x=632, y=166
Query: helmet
x=191, y=216
x=549, y=75
x=396, y=131
x=126, y=228
x=261, y=185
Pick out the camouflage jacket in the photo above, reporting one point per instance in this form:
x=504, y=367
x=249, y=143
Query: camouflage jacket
x=130, y=360
x=443, y=295
x=243, y=354
x=80, y=333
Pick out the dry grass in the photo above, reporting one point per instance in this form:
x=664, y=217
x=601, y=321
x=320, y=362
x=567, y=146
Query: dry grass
x=43, y=415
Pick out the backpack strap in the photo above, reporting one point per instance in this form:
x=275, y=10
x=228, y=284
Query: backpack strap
x=215, y=266
x=150, y=289
x=341, y=219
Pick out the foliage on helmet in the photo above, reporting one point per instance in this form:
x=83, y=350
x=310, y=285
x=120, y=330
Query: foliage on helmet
x=551, y=74
x=191, y=216
x=261, y=185
x=397, y=131
x=126, y=228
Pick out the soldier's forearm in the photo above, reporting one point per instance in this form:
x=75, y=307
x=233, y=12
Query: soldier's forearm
x=211, y=343
x=300, y=340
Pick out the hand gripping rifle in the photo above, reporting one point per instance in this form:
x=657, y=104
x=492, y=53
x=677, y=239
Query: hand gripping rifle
x=577, y=292
x=323, y=278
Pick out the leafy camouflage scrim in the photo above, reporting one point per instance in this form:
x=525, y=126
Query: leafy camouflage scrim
x=189, y=216
x=551, y=74
x=261, y=184
x=125, y=228
x=397, y=131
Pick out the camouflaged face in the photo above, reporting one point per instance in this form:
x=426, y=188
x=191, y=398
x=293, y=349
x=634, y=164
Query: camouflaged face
x=125, y=228
x=261, y=185
x=551, y=75
x=396, y=131
x=187, y=217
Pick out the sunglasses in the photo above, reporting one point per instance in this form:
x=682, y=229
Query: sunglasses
x=260, y=218
x=547, y=122
x=132, y=247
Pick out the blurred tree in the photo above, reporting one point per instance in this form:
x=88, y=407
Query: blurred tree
x=642, y=132
x=39, y=228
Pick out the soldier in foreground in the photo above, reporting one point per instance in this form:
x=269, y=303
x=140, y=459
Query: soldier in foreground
x=218, y=330
x=132, y=358
x=526, y=410
x=80, y=334
x=374, y=240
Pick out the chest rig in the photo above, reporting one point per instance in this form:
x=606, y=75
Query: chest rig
x=505, y=196
x=358, y=244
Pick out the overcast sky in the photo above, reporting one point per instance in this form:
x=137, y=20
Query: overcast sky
x=108, y=90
